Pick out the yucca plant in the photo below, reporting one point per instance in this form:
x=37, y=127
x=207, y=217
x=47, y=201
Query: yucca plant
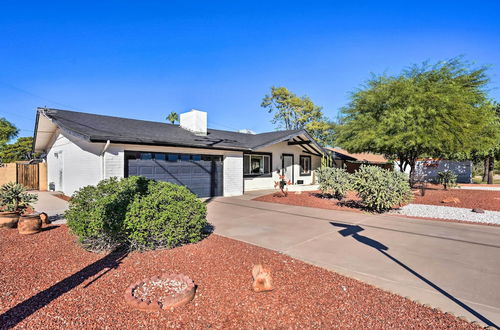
x=14, y=198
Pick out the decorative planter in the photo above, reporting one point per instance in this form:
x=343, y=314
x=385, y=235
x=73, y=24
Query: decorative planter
x=9, y=219
x=29, y=224
x=156, y=293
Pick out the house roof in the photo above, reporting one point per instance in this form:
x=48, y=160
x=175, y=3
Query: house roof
x=100, y=128
x=362, y=157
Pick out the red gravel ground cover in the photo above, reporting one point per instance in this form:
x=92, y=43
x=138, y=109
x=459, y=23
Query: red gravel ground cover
x=48, y=281
x=310, y=199
x=483, y=199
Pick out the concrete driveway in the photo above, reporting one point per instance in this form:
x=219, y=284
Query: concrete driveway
x=453, y=266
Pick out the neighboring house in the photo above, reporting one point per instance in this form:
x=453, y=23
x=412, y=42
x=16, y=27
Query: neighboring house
x=82, y=149
x=428, y=169
x=351, y=161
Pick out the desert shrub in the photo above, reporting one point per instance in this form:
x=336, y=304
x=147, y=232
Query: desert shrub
x=13, y=197
x=447, y=179
x=381, y=189
x=96, y=213
x=335, y=181
x=166, y=216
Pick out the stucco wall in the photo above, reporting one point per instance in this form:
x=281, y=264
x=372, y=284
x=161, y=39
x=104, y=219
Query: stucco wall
x=257, y=183
x=8, y=173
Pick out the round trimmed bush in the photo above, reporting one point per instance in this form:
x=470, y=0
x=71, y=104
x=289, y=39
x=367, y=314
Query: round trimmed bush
x=335, y=181
x=381, y=189
x=96, y=213
x=166, y=216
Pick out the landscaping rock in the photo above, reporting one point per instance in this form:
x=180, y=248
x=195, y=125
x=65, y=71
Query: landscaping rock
x=45, y=218
x=449, y=200
x=157, y=293
x=262, y=280
x=450, y=213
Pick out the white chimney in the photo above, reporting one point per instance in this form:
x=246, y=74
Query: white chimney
x=194, y=121
x=246, y=131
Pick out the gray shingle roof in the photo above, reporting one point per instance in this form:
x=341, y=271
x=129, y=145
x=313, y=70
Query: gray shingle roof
x=99, y=128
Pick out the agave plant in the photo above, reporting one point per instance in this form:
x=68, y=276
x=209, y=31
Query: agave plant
x=13, y=197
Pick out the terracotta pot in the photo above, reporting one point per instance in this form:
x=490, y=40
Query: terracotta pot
x=29, y=224
x=9, y=219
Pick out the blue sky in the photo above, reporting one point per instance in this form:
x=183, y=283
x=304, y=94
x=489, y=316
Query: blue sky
x=145, y=59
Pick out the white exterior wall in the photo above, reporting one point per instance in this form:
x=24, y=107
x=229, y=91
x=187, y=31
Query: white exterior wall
x=77, y=164
x=257, y=183
x=80, y=163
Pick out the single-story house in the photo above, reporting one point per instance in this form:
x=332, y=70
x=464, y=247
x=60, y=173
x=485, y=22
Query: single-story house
x=352, y=161
x=82, y=149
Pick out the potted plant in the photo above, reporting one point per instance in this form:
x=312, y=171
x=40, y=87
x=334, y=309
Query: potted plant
x=282, y=183
x=15, y=200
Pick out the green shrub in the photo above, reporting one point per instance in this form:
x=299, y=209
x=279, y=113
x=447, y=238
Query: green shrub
x=335, y=181
x=96, y=213
x=13, y=197
x=447, y=179
x=381, y=189
x=166, y=216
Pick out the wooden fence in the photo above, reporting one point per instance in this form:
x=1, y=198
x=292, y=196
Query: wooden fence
x=27, y=175
x=351, y=167
x=33, y=176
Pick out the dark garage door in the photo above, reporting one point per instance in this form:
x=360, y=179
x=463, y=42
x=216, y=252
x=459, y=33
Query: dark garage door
x=202, y=174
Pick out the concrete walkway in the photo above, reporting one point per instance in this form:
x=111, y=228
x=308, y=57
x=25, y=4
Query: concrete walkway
x=52, y=205
x=453, y=266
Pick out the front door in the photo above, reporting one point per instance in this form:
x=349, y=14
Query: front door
x=287, y=165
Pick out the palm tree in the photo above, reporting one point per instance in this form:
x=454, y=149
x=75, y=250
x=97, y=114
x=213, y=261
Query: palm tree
x=173, y=117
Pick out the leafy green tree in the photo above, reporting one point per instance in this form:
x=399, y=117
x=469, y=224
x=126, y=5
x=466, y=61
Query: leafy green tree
x=7, y=131
x=295, y=112
x=489, y=156
x=19, y=150
x=173, y=117
x=438, y=110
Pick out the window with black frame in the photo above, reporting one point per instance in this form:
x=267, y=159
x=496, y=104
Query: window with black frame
x=305, y=165
x=256, y=165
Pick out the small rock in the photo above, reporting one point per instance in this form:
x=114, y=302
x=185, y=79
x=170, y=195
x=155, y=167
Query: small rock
x=449, y=200
x=478, y=210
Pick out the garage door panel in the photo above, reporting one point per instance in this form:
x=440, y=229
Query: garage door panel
x=203, y=178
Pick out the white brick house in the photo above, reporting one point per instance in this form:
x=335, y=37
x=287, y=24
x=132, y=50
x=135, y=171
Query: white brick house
x=82, y=149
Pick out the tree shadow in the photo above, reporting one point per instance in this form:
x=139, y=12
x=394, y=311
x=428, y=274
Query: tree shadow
x=21, y=311
x=353, y=231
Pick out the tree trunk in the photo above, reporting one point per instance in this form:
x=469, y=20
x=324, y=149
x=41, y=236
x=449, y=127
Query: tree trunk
x=491, y=166
x=486, y=169
x=412, y=173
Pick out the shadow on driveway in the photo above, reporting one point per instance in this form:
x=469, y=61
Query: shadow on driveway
x=354, y=230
